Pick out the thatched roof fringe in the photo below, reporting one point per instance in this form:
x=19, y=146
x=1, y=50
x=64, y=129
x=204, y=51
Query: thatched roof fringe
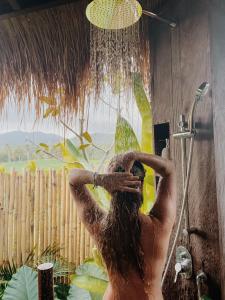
x=48, y=49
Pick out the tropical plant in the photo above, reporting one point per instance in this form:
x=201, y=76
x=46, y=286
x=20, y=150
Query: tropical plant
x=61, y=268
x=2, y=169
x=22, y=286
x=126, y=140
x=31, y=166
x=92, y=278
x=7, y=270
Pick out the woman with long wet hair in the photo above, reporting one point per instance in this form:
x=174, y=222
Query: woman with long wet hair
x=133, y=245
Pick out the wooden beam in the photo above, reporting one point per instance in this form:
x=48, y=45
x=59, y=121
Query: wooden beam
x=14, y=4
x=28, y=10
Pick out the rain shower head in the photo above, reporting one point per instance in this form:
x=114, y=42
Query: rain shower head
x=202, y=90
x=113, y=14
x=118, y=14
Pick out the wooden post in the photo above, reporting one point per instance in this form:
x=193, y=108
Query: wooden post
x=45, y=282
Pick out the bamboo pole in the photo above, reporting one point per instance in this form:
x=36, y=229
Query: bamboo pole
x=49, y=207
x=10, y=218
x=1, y=216
x=58, y=202
x=54, y=226
x=32, y=196
x=15, y=217
x=23, y=217
x=41, y=214
x=45, y=196
x=19, y=195
x=82, y=246
x=78, y=241
x=27, y=216
x=67, y=212
x=70, y=228
x=74, y=231
x=7, y=195
x=36, y=212
x=63, y=213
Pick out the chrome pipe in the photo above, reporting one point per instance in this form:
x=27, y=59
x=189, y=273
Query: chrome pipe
x=155, y=16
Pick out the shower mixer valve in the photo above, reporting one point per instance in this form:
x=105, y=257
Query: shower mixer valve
x=183, y=264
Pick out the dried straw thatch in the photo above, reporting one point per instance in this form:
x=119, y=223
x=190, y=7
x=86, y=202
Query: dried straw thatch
x=48, y=49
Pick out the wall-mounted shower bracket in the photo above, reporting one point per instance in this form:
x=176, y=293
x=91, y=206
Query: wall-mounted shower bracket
x=183, y=265
x=184, y=132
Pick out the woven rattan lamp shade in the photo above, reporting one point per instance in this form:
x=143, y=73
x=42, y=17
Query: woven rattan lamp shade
x=113, y=14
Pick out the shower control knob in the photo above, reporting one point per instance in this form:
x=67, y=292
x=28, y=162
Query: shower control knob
x=178, y=269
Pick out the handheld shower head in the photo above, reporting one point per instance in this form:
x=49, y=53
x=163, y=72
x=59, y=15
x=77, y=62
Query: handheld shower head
x=202, y=91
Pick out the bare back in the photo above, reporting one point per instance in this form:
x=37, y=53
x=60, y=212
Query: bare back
x=155, y=242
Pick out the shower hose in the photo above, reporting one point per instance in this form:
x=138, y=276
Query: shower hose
x=184, y=202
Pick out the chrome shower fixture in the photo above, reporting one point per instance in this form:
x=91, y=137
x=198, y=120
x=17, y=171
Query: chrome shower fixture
x=119, y=14
x=202, y=91
x=188, y=130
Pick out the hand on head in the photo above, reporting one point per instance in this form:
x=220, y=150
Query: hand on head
x=120, y=182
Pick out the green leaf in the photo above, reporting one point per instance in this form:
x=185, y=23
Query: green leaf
x=91, y=277
x=77, y=293
x=125, y=138
x=47, y=112
x=31, y=166
x=87, y=137
x=84, y=146
x=91, y=268
x=145, y=110
x=89, y=283
x=73, y=150
x=45, y=146
x=55, y=111
x=2, y=169
x=48, y=100
x=22, y=286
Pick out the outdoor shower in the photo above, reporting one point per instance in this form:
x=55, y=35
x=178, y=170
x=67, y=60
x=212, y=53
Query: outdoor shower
x=120, y=14
x=186, y=132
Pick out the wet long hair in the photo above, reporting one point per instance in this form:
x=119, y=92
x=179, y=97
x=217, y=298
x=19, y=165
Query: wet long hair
x=120, y=241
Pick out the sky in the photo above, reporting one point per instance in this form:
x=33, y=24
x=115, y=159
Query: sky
x=101, y=119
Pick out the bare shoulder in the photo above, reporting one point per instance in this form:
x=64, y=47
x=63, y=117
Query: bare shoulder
x=152, y=223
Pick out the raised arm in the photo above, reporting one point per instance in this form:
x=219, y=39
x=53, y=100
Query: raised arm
x=88, y=210
x=165, y=205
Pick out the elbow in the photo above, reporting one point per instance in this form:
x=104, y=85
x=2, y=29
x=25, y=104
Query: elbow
x=73, y=177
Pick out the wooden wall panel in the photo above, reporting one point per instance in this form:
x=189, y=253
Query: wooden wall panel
x=217, y=26
x=180, y=63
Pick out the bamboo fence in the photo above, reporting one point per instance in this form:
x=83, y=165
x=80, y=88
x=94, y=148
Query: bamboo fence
x=37, y=210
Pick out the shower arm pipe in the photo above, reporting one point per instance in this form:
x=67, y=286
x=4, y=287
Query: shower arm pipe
x=182, y=210
x=155, y=16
